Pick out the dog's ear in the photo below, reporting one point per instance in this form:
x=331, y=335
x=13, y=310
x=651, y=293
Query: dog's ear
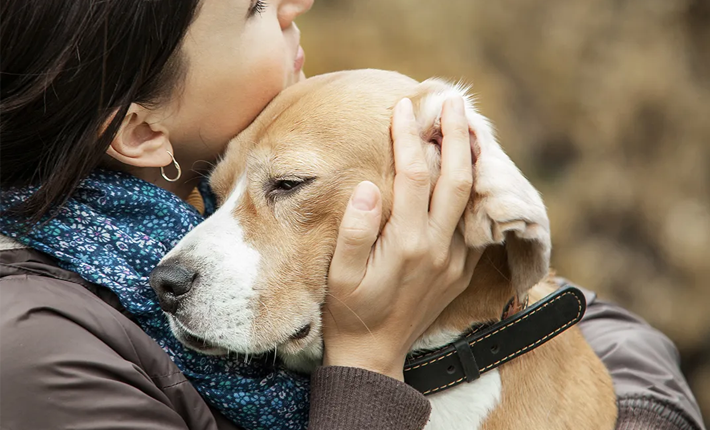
x=504, y=207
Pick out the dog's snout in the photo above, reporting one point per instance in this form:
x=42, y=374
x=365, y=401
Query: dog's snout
x=170, y=281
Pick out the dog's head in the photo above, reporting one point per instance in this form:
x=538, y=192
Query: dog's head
x=252, y=277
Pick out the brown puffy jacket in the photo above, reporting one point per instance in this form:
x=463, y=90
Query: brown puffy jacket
x=70, y=359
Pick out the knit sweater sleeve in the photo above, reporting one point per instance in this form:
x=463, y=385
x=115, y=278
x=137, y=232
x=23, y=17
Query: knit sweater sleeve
x=347, y=398
x=648, y=412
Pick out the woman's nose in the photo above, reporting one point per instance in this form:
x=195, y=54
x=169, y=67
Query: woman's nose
x=289, y=10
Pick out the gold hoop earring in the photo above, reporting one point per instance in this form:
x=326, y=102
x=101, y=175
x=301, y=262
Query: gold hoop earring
x=177, y=166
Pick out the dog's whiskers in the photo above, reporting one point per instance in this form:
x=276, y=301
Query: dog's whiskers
x=270, y=321
x=333, y=317
x=496, y=268
x=354, y=313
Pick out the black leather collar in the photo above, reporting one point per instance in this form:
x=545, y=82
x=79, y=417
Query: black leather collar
x=487, y=347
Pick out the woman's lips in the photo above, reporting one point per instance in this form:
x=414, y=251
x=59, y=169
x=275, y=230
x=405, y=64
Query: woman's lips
x=300, y=59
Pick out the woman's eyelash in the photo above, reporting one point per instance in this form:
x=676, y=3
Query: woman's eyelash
x=258, y=7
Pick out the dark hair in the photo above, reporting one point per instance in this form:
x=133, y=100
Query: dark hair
x=66, y=66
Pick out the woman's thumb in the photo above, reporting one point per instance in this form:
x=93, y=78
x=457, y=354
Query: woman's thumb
x=358, y=232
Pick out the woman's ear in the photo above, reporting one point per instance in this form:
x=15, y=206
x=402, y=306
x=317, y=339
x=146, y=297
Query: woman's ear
x=141, y=142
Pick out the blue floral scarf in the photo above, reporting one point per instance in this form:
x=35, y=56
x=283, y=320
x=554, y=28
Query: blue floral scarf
x=113, y=232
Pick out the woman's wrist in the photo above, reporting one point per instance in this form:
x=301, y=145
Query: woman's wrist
x=369, y=357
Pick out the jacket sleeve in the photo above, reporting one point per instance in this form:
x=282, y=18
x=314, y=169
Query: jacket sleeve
x=645, y=368
x=57, y=371
x=346, y=398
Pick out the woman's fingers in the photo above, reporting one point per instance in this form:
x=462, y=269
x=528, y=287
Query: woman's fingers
x=419, y=264
x=412, y=179
x=453, y=189
x=358, y=232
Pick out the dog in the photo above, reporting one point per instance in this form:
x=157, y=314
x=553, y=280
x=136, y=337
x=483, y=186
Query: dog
x=252, y=278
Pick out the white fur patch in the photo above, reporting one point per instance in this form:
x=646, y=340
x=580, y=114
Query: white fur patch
x=466, y=406
x=435, y=340
x=220, y=305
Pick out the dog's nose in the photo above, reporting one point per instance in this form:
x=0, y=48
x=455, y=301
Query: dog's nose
x=170, y=281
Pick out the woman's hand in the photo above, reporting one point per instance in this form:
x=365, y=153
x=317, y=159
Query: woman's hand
x=383, y=298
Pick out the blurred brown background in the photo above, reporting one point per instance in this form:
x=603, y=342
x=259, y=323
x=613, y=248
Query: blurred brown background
x=603, y=104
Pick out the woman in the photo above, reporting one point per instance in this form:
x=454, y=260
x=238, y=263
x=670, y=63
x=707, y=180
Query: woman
x=99, y=99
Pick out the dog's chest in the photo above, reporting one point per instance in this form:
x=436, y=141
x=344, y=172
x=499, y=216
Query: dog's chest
x=466, y=406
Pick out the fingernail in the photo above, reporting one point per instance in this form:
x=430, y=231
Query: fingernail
x=458, y=104
x=365, y=196
x=405, y=107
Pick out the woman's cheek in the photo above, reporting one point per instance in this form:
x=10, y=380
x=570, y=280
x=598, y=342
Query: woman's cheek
x=233, y=107
x=264, y=82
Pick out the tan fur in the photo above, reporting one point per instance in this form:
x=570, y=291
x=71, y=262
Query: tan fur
x=560, y=385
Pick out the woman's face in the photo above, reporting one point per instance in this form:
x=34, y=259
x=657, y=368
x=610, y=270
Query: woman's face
x=239, y=55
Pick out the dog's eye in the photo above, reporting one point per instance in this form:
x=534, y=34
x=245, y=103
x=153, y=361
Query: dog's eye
x=287, y=184
x=282, y=187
